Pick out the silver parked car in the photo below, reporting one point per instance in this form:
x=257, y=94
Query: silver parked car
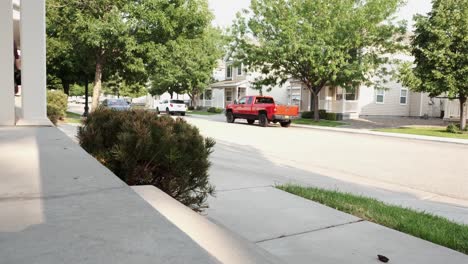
x=116, y=104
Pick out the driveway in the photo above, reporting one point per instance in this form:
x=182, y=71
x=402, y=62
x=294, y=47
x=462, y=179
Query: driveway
x=427, y=176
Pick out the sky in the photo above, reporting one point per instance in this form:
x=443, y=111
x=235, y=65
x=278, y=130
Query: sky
x=225, y=10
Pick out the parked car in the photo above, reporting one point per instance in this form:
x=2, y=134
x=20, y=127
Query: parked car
x=261, y=108
x=116, y=104
x=171, y=107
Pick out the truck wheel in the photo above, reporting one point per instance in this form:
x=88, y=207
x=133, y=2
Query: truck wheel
x=167, y=111
x=263, y=120
x=251, y=121
x=182, y=114
x=286, y=123
x=230, y=117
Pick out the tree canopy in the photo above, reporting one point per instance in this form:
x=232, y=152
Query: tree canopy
x=440, y=49
x=187, y=64
x=318, y=42
x=123, y=38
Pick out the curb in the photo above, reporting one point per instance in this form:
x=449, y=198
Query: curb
x=385, y=134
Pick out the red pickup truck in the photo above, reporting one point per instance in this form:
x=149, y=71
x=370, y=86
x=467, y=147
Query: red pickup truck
x=263, y=109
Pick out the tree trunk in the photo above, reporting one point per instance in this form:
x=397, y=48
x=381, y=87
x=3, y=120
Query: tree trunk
x=316, y=108
x=462, y=112
x=97, y=81
x=66, y=87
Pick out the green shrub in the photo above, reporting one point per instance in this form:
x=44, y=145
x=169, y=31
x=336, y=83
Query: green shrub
x=331, y=116
x=191, y=108
x=199, y=108
x=142, y=148
x=307, y=114
x=455, y=129
x=54, y=113
x=310, y=114
x=57, y=104
x=322, y=114
x=215, y=110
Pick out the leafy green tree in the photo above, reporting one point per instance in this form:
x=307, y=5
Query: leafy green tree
x=118, y=86
x=440, y=48
x=319, y=42
x=68, y=60
x=126, y=38
x=188, y=65
x=98, y=32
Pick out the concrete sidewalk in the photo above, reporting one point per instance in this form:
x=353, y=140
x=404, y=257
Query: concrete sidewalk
x=301, y=231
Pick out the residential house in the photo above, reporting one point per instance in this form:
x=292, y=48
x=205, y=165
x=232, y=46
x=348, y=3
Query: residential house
x=395, y=100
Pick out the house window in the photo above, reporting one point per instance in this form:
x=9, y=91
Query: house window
x=379, y=96
x=239, y=70
x=404, y=96
x=351, y=94
x=229, y=72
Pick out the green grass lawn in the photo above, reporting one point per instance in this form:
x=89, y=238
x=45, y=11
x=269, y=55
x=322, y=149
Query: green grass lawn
x=423, y=225
x=424, y=131
x=311, y=122
x=201, y=113
x=73, y=118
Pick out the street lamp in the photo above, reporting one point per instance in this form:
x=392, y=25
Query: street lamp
x=86, y=108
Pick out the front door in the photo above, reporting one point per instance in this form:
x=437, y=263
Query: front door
x=229, y=96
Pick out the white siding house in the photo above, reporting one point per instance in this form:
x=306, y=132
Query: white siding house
x=394, y=100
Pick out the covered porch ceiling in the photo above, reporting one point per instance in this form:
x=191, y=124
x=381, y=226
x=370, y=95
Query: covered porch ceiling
x=228, y=84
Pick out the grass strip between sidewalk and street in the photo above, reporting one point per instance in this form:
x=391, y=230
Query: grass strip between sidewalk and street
x=323, y=123
x=426, y=226
x=73, y=118
x=202, y=113
x=424, y=131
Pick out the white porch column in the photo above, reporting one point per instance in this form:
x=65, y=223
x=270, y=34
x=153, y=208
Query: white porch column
x=7, y=97
x=33, y=56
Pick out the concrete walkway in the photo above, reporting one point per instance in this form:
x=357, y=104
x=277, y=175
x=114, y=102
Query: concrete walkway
x=59, y=205
x=301, y=231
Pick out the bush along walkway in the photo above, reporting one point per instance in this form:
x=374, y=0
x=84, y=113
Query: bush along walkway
x=432, y=228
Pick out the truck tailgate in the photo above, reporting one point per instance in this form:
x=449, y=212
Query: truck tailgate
x=287, y=110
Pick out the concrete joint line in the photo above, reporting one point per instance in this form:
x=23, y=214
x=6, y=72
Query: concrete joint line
x=245, y=188
x=310, y=231
x=57, y=196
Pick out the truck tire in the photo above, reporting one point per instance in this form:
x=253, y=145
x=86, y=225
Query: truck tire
x=168, y=112
x=263, y=120
x=286, y=123
x=230, y=117
x=182, y=114
x=250, y=121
